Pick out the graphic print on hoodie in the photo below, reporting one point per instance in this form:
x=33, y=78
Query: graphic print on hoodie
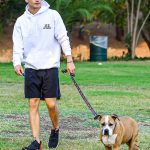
x=38, y=39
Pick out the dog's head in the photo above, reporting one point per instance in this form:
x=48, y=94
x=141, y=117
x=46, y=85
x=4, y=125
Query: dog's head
x=107, y=123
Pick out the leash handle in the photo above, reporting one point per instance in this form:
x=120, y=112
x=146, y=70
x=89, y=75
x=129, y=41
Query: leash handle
x=65, y=71
x=81, y=93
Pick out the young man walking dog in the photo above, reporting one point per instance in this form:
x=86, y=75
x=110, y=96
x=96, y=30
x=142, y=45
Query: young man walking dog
x=38, y=36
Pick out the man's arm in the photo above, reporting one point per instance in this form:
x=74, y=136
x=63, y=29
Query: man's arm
x=63, y=39
x=17, y=49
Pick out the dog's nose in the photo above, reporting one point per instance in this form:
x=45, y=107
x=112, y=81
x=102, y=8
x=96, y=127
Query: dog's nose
x=106, y=132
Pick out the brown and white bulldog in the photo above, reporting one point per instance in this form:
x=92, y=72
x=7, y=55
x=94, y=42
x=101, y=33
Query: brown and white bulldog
x=118, y=130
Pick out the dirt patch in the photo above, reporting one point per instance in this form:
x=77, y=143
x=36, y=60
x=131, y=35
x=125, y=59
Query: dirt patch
x=145, y=124
x=72, y=126
x=16, y=117
x=6, y=55
x=6, y=45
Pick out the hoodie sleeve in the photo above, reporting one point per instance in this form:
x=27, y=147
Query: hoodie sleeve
x=61, y=34
x=17, y=45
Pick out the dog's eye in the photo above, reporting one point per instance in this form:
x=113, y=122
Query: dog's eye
x=110, y=124
x=103, y=124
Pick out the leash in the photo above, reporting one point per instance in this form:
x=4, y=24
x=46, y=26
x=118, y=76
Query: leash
x=81, y=93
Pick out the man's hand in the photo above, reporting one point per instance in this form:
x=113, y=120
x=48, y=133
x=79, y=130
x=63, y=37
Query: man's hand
x=71, y=67
x=70, y=64
x=19, y=70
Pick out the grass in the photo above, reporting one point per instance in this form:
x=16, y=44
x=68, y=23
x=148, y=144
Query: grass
x=113, y=87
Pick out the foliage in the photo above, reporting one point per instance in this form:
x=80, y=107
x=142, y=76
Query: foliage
x=73, y=11
x=119, y=12
x=145, y=30
x=9, y=11
x=135, y=12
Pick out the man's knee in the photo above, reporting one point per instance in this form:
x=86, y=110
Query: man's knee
x=51, y=104
x=34, y=103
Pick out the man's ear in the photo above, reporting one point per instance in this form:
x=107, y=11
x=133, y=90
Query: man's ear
x=114, y=116
x=99, y=117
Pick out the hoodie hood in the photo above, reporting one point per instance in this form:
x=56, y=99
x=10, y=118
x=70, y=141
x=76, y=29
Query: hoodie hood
x=44, y=6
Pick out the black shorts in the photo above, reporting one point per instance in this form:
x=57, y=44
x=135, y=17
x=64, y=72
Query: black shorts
x=41, y=83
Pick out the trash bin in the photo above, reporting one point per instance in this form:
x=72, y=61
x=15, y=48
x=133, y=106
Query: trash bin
x=98, y=48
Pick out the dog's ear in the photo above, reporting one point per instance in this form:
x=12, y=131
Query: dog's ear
x=114, y=116
x=99, y=117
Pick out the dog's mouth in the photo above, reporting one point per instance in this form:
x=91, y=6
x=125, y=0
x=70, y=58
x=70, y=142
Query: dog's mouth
x=109, y=140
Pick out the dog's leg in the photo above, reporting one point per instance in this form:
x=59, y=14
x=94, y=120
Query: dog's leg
x=136, y=147
x=108, y=148
x=133, y=145
x=116, y=148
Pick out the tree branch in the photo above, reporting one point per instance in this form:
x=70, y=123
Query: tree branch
x=132, y=15
x=138, y=35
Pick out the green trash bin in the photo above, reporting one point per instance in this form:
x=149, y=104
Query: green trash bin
x=98, y=48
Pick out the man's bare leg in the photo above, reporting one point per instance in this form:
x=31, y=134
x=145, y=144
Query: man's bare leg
x=34, y=117
x=54, y=116
x=53, y=111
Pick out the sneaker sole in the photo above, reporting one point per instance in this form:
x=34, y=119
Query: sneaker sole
x=53, y=147
x=41, y=147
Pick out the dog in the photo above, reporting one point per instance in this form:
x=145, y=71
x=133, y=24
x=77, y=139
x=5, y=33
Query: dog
x=118, y=130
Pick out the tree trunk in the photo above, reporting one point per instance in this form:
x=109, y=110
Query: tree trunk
x=128, y=17
x=135, y=30
x=119, y=28
x=119, y=33
x=132, y=16
x=141, y=28
x=81, y=32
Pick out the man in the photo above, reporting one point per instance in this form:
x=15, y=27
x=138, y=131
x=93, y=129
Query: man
x=38, y=36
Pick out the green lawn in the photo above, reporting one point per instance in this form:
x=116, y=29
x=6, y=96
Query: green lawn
x=113, y=87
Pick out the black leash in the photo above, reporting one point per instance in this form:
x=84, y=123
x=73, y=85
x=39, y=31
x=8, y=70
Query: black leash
x=81, y=93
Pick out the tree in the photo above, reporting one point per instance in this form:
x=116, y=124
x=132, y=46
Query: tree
x=73, y=11
x=134, y=30
x=9, y=11
x=119, y=9
x=145, y=31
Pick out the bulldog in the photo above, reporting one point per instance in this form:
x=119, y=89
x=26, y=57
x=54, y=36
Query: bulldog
x=118, y=130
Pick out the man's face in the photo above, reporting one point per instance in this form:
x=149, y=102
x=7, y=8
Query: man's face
x=35, y=4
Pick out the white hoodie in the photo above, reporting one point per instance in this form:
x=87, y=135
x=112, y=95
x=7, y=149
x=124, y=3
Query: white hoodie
x=38, y=39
